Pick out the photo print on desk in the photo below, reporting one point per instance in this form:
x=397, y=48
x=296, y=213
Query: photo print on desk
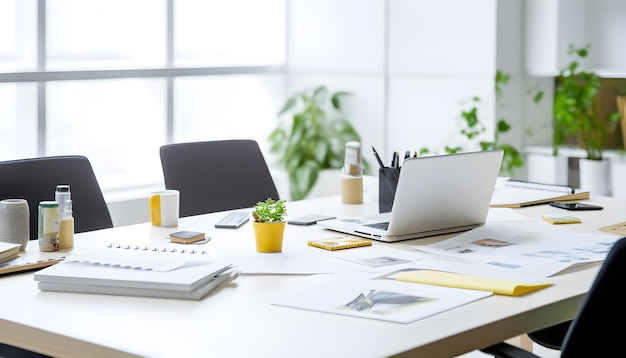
x=386, y=300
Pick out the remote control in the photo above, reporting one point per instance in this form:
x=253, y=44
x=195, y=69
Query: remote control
x=233, y=220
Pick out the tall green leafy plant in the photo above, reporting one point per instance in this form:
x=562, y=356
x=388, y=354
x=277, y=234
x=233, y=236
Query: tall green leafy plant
x=311, y=136
x=576, y=108
x=474, y=130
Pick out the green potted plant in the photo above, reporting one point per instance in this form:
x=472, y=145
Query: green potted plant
x=576, y=108
x=311, y=136
x=269, y=224
x=474, y=130
x=576, y=116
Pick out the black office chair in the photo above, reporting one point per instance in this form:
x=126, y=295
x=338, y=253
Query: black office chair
x=551, y=337
x=36, y=179
x=217, y=175
x=597, y=330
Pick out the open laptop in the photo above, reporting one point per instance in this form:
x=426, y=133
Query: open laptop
x=435, y=195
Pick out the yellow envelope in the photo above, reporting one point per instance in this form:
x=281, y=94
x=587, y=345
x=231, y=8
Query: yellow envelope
x=449, y=279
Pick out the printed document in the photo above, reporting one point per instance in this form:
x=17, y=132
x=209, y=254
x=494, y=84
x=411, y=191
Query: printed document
x=531, y=251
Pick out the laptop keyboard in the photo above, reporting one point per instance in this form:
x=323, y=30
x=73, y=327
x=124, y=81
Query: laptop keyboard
x=381, y=226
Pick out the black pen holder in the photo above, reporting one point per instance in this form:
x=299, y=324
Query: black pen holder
x=387, y=184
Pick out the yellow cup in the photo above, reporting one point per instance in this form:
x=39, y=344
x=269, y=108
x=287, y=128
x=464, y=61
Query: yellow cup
x=164, y=207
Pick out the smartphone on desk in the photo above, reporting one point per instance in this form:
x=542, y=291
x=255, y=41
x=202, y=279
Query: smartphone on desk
x=575, y=206
x=309, y=219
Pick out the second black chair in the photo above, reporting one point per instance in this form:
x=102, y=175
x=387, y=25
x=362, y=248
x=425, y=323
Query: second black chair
x=597, y=329
x=217, y=175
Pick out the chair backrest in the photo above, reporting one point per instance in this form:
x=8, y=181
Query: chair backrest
x=598, y=329
x=217, y=175
x=36, y=179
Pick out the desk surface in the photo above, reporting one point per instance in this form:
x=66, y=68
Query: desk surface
x=238, y=320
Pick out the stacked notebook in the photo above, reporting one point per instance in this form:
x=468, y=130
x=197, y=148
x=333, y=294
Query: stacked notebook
x=188, y=280
x=9, y=251
x=518, y=194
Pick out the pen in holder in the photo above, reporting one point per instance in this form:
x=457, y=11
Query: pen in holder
x=387, y=184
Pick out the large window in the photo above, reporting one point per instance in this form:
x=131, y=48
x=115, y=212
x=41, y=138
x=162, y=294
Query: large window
x=114, y=80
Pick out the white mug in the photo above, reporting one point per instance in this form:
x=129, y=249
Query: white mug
x=15, y=222
x=164, y=206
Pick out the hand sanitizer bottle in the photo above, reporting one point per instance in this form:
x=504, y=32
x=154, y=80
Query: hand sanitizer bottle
x=352, y=175
x=66, y=220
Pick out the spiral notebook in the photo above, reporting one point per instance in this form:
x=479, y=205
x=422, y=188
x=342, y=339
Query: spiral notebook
x=195, y=294
x=136, y=273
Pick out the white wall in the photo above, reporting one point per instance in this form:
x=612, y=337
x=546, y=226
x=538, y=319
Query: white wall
x=552, y=25
x=410, y=64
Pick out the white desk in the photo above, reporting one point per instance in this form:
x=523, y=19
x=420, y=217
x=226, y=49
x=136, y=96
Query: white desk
x=239, y=321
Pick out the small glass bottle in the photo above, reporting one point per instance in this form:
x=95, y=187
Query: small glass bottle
x=48, y=221
x=66, y=220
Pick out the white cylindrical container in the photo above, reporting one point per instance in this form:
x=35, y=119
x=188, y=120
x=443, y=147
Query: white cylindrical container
x=15, y=222
x=351, y=189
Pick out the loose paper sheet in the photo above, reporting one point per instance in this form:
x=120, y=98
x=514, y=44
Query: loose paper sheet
x=532, y=250
x=386, y=300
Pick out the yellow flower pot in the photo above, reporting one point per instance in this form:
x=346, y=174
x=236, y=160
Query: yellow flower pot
x=269, y=236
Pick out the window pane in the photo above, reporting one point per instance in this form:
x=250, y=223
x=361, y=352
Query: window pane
x=227, y=107
x=106, y=34
x=18, y=35
x=229, y=33
x=18, y=120
x=118, y=124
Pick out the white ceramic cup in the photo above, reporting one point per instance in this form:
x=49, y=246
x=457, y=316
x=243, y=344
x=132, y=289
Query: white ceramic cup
x=15, y=222
x=164, y=206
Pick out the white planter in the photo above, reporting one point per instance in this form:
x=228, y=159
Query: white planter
x=618, y=178
x=547, y=168
x=595, y=176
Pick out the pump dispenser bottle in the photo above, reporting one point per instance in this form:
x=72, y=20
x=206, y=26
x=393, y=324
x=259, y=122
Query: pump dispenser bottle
x=66, y=220
x=352, y=175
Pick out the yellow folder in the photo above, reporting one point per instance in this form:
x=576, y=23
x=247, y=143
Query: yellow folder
x=449, y=279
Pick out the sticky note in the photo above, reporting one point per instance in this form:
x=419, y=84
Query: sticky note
x=561, y=219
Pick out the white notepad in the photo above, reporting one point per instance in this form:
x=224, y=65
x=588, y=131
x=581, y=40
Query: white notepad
x=195, y=294
x=186, y=278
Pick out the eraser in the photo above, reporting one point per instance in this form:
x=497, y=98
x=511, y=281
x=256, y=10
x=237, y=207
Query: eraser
x=186, y=237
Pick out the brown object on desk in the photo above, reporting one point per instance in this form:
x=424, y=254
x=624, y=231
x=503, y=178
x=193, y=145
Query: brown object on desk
x=19, y=266
x=619, y=229
x=8, y=250
x=186, y=237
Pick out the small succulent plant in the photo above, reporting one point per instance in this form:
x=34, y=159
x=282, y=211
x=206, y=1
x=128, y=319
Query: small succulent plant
x=270, y=210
